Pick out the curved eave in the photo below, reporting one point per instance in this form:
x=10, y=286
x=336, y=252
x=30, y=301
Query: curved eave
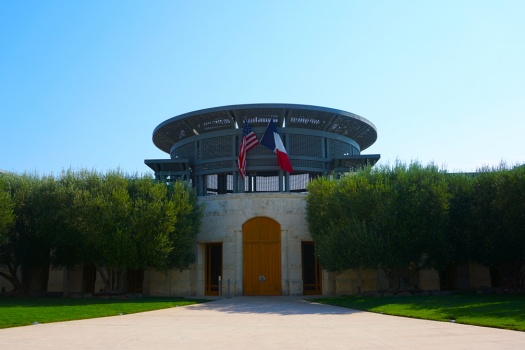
x=215, y=119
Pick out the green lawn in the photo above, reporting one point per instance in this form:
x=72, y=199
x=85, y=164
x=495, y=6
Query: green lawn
x=500, y=311
x=25, y=311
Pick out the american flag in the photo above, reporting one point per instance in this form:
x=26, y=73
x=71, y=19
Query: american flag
x=249, y=141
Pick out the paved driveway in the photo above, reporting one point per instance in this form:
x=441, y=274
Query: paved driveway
x=257, y=323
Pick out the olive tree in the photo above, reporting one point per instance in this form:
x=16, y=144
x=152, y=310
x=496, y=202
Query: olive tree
x=7, y=218
x=500, y=220
x=389, y=218
x=29, y=243
x=412, y=226
x=462, y=226
x=134, y=222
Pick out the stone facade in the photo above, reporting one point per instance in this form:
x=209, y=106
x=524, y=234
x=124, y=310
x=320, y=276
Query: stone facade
x=224, y=216
x=429, y=280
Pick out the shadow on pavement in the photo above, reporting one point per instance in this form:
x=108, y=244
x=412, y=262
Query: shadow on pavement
x=272, y=305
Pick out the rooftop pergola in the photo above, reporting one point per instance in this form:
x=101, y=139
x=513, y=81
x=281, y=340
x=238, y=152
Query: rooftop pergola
x=203, y=146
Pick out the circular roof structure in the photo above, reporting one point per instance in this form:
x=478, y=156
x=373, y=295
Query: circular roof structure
x=290, y=116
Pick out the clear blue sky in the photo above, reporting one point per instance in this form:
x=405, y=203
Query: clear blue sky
x=84, y=83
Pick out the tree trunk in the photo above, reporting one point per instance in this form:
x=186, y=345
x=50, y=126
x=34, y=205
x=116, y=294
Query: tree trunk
x=121, y=275
x=13, y=277
x=65, y=283
x=399, y=277
x=106, y=276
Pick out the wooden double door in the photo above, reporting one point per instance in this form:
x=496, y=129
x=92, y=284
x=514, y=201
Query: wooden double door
x=261, y=245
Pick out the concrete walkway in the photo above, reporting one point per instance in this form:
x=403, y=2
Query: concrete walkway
x=258, y=323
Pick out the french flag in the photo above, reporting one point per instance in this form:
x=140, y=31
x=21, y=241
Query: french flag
x=272, y=140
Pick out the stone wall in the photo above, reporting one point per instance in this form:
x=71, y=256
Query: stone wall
x=429, y=280
x=357, y=281
x=479, y=276
x=173, y=283
x=55, y=282
x=224, y=216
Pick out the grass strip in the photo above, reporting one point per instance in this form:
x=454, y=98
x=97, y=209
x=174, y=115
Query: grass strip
x=489, y=310
x=16, y=312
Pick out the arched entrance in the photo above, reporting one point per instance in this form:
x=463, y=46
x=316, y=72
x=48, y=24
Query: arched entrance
x=261, y=246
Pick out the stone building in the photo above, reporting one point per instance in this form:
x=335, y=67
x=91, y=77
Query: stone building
x=254, y=239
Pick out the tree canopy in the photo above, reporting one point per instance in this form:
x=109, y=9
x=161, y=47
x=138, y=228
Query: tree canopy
x=500, y=222
x=405, y=218
x=111, y=220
